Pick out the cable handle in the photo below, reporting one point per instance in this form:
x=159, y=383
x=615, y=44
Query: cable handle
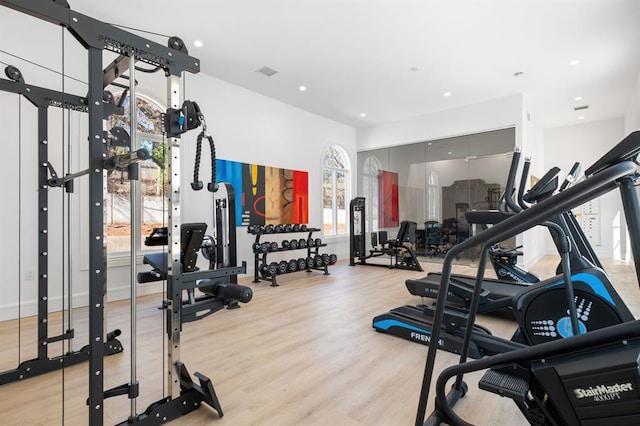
x=197, y=184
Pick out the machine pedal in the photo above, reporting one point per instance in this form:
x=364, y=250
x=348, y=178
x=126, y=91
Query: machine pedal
x=506, y=384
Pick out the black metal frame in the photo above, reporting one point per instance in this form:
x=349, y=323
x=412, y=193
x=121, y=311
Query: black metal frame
x=619, y=173
x=97, y=36
x=42, y=99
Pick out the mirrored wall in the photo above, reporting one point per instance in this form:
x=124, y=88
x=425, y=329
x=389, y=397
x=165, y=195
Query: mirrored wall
x=434, y=183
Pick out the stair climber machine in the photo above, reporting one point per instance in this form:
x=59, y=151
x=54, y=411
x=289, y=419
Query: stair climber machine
x=580, y=364
x=539, y=309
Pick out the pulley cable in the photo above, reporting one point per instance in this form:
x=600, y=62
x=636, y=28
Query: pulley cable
x=19, y=227
x=38, y=65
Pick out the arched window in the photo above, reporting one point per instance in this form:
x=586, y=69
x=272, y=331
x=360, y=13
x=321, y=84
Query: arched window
x=152, y=176
x=433, y=193
x=336, y=182
x=370, y=172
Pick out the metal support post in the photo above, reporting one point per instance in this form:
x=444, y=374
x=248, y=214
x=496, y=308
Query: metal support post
x=174, y=280
x=97, y=246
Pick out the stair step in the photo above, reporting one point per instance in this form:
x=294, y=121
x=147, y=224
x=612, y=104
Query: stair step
x=505, y=384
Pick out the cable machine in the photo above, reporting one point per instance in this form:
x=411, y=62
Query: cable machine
x=42, y=99
x=184, y=394
x=401, y=256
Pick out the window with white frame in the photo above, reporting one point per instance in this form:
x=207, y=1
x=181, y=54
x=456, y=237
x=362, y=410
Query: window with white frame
x=152, y=175
x=370, y=174
x=336, y=181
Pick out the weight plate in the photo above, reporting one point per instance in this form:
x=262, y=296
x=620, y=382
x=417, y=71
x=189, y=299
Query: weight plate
x=264, y=247
x=302, y=243
x=318, y=261
x=256, y=246
x=304, y=228
x=296, y=228
x=325, y=259
x=279, y=228
x=269, y=229
x=310, y=262
x=288, y=227
x=318, y=242
x=286, y=244
x=333, y=259
x=293, y=244
x=273, y=246
x=311, y=242
x=283, y=266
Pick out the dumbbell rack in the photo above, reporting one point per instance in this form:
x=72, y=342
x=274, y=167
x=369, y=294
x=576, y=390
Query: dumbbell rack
x=261, y=251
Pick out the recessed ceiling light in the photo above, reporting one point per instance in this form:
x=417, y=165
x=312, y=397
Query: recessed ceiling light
x=449, y=152
x=574, y=62
x=429, y=143
x=302, y=88
x=578, y=98
x=447, y=94
x=363, y=114
x=581, y=117
x=198, y=43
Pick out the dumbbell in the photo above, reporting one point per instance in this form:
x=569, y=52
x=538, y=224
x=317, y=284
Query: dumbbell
x=279, y=228
x=283, y=267
x=318, y=242
x=293, y=265
x=302, y=243
x=288, y=227
x=333, y=259
x=269, y=229
x=296, y=228
x=317, y=259
x=304, y=228
x=293, y=244
x=310, y=262
x=256, y=247
x=264, y=269
x=311, y=242
x=252, y=229
x=273, y=246
x=302, y=264
x=273, y=268
x=286, y=244
x=325, y=259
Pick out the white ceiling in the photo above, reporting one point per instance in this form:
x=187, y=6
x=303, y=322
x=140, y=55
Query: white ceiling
x=356, y=56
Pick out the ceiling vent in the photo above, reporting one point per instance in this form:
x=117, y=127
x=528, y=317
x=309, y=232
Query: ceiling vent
x=580, y=108
x=267, y=71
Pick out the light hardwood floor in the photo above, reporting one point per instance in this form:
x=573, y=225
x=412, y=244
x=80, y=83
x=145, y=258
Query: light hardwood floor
x=303, y=353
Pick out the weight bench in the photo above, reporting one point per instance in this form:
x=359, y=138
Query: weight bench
x=217, y=289
x=401, y=254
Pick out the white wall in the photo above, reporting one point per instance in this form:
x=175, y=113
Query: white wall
x=490, y=115
x=632, y=114
x=586, y=143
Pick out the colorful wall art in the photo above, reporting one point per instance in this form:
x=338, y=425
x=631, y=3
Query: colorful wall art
x=266, y=195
